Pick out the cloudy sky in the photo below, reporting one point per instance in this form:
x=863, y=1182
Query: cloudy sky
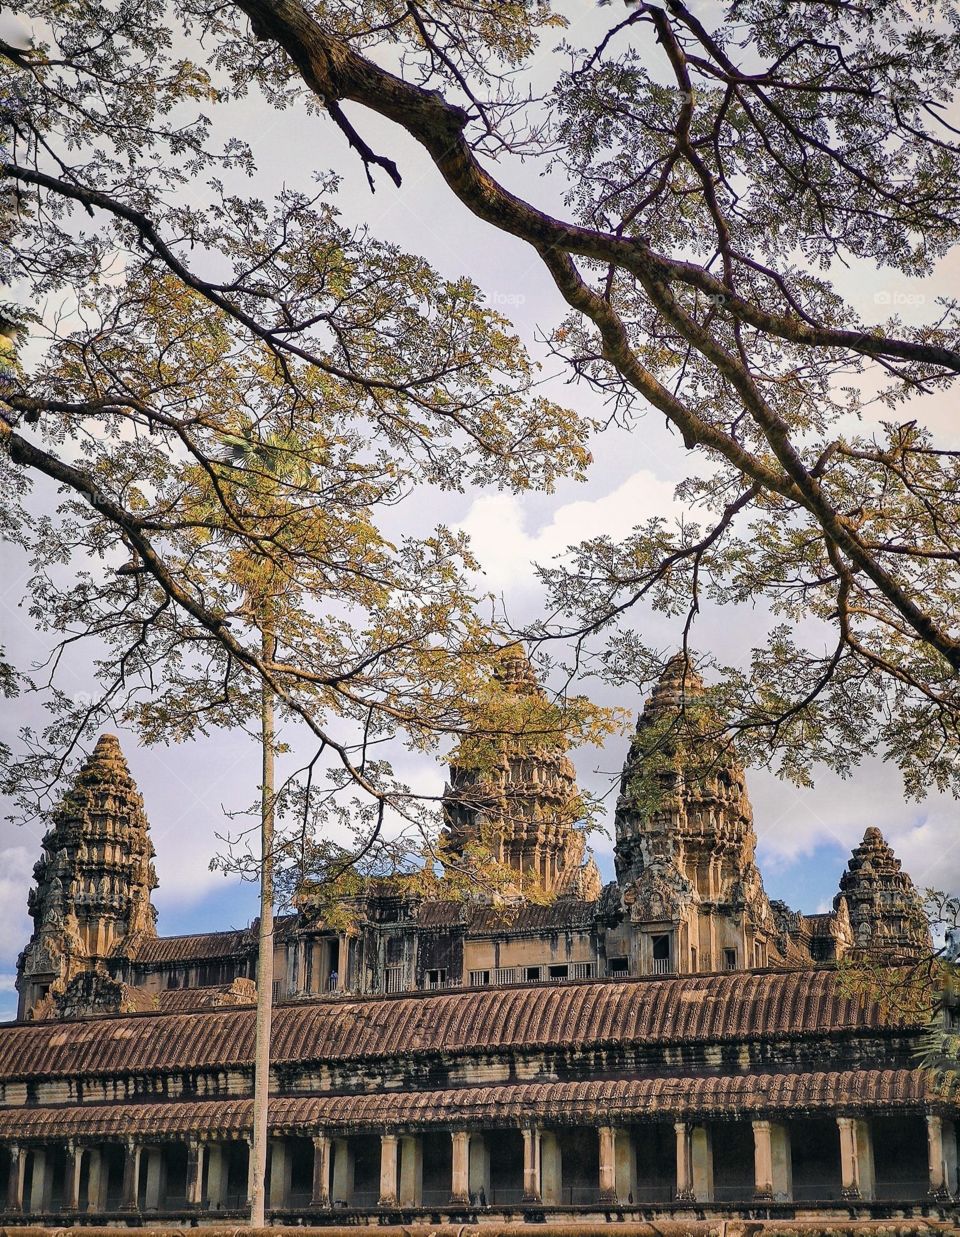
x=804, y=836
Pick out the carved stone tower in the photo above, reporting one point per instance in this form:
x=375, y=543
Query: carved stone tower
x=525, y=806
x=886, y=912
x=93, y=882
x=685, y=845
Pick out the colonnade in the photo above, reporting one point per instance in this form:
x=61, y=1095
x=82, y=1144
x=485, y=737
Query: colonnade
x=536, y=1165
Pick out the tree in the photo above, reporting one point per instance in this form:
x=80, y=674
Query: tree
x=256, y=467
x=257, y=576
x=717, y=179
x=221, y=590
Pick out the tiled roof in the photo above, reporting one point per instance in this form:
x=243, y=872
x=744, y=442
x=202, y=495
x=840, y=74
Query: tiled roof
x=556, y=916
x=696, y=1009
x=200, y=948
x=176, y=1000
x=510, y=1104
x=439, y=914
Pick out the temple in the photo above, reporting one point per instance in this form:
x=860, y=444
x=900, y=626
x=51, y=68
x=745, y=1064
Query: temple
x=672, y=1044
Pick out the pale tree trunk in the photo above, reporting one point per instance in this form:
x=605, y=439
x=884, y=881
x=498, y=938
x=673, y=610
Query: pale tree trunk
x=261, y=1066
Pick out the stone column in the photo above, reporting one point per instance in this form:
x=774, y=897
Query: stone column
x=949, y=1133
x=460, y=1177
x=388, y=1170
x=551, y=1168
x=626, y=1175
x=702, y=1163
x=321, y=1171
x=781, y=1162
x=684, y=1132
x=868, y=1183
x=531, y=1165
x=411, y=1172
x=280, y=1171
x=342, y=1171
x=608, y=1165
x=856, y=1158
x=762, y=1162
x=131, y=1176
x=71, y=1185
x=217, y=1167
x=154, y=1185
x=480, y=1167
x=940, y=1138
x=15, y=1178
x=194, y=1173
x=96, y=1182
x=39, y=1180
x=849, y=1177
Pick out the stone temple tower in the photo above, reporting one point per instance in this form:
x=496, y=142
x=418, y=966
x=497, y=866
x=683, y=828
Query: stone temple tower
x=886, y=912
x=685, y=844
x=93, y=882
x=525, y=808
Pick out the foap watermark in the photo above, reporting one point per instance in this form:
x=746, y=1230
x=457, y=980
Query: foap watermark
x=887, y=296
x=507, y=298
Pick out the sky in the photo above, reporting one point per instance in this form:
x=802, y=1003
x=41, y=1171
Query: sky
x=804, y=836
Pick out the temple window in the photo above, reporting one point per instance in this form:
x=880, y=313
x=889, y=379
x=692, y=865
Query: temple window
x=559, y=972
x=660, y=950
x=479, y=978
x=532, y=974
x=436, y=978
x=729, y=959
x=618, y=966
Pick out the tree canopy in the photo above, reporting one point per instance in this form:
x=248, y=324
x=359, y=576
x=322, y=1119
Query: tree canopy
x=720, y=170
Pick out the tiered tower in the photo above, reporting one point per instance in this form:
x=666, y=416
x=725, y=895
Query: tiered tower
x=93, y=882
x=886, y=912
x=685, y=845
x=524, y=805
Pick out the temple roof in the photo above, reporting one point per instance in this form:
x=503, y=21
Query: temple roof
x=197, y=947
x=504, y=1105
x=512, y=918
x=691, y=1009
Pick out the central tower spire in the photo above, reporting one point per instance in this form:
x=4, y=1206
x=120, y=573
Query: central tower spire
x=524, y=804
x=685, y=844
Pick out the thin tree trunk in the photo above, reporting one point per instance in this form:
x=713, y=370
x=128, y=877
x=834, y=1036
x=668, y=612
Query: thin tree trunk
x=261, y=1067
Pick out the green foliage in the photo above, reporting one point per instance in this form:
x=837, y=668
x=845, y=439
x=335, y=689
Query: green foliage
x=718, y=176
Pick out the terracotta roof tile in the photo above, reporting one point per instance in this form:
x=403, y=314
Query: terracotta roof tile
x=179, y=1000
x=555, y=916
x=504, y=1105
x=696, y=1008
x=199, y=947
x=440, y=914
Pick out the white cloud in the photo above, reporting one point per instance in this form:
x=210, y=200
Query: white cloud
x=792, y=823
x=15, y=31
x=506, y=547
x=8, y=997
x=16, y=874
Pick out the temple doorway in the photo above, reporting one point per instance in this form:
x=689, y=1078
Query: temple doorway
x=733, y=1161
x=900, y=1157
x=815, y=1157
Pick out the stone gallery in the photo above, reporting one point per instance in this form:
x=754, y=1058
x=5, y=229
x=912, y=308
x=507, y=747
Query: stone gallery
x=674, y=1043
